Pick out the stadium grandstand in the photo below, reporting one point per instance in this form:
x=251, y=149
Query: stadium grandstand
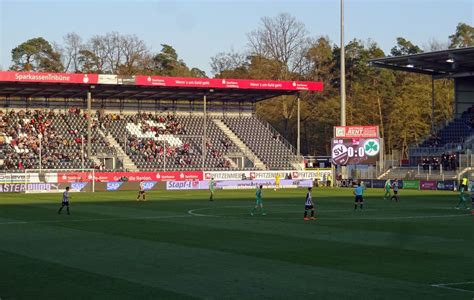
x=446, y=153
x=140, y=123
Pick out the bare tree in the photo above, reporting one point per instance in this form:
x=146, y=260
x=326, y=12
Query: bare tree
x=114, y=53
x=228, y=61
x=281, y=38
x=435, y=45
x=72, y=45
x=92, y=58
x=134, y=53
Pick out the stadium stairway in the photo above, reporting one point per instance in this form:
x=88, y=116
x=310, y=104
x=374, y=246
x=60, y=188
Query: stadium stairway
x=128, y=164
x=240, y=144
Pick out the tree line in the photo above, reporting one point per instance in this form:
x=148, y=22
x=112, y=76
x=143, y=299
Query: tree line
x=281, y=48
x=111, y=53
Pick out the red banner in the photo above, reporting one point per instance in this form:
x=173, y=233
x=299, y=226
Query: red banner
x=74, y=177
x=356, y=132
x=49, y=77
x=161, y=81
x=229, y=83
x=131, y=176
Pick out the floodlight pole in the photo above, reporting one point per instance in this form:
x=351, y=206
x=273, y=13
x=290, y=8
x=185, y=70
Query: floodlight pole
x=40, y=136
x=343, y=70
x=89, y=122
x=343, y=80
x=204, y=132
x=164, y=155
x=432, y=104
x=82, y=152
x=298, y=138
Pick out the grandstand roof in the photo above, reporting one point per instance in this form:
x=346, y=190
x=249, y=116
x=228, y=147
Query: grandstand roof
x=452, y=62
x=65, y=85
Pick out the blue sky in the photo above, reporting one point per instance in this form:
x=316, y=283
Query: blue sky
x=200, y=29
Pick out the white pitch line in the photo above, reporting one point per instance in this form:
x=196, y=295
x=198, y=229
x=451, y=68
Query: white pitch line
x=455, y=283
x=400, y=218
x=192, y=212
x=447, y=286
x=93, y=220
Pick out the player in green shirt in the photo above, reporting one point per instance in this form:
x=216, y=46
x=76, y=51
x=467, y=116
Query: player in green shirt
x=259, y=202
x=388, y=193
x=212, y=187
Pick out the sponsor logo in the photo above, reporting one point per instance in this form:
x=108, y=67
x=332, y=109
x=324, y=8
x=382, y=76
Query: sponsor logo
x=340, y=154
x=31, y=187
x=149, y=185
x=78, y=186
x=372, y=147
x=113, y=186
x=187, y=185
x=340, y=131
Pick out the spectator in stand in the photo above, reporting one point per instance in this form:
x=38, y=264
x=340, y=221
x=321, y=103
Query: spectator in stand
x=425, y=163
x=453, y=162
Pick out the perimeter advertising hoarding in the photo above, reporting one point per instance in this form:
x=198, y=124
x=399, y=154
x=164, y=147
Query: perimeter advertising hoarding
x=237, y=184
x=30, y=187
x=131, y=176
x=356, y=151
x=23, y=178
x=187, y=185
x=428, y=185
x=373, y=183
x=239, y=175
x=115, y=186
x=411, y=184
x=447, y=185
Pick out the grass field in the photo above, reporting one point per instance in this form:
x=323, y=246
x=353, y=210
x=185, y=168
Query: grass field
x=179, y=245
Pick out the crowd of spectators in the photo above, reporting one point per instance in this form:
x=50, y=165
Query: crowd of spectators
x=23, y=131
x=448, y=161
x=151, y=150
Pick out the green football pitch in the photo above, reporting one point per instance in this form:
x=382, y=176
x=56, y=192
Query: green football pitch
x=180, y=245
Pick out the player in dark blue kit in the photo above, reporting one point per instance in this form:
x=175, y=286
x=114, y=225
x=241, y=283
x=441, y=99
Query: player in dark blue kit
x=309, y=205
x=65, y=201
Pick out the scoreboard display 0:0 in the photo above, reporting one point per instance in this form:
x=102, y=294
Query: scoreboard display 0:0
x=355, y=151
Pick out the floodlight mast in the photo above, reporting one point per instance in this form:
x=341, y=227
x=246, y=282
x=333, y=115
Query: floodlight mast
x=343, y=70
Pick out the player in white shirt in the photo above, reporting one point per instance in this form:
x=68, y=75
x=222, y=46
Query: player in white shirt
x=142, y=192
x=309, y=205
x=65, y=201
